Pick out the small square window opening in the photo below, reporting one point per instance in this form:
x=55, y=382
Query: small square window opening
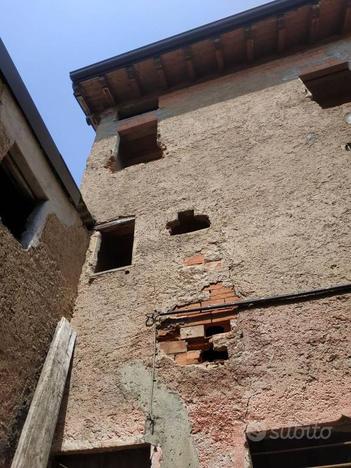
x=302, y=447
x=132, y=457
x=116, y=248
x=187, y=221
x=20, y=195
x=139, y=144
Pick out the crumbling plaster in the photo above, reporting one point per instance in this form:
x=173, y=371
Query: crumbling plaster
x=37, y=285
x=269, y=168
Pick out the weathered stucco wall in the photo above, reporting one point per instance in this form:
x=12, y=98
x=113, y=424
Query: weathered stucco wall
x=270, y=169
x=37, y=285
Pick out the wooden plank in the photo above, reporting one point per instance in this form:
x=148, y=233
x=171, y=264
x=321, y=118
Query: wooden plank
x=38, y=431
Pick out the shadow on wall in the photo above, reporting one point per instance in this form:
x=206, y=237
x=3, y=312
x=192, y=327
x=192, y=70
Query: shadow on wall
x=272, y=72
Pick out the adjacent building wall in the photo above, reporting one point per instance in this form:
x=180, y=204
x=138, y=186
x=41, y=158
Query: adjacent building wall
x=37, y=284
x=269, y=168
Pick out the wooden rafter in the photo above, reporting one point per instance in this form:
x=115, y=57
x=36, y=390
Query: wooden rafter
x=314, y=22
x=218, y=46
x=79, y=95
x=162, y=77
x=188, y=56
x=196, y=62
x=281, y=33
x=106, y=90
x=250, y=44
x=134, y=80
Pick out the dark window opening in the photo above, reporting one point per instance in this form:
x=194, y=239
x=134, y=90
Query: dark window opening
x=139, y=145
x=301, y=447
x=132, y=458
x=116, y=248
x=330, y=86
x=188, y=222
x=211, y=330
x=17, y=197
x=211, y=355
x=137, y=108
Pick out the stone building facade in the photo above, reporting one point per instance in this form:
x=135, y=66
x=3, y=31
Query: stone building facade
x=219, y=175
x=43, y=240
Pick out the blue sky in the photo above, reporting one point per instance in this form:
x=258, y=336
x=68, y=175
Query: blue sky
x=49, y=38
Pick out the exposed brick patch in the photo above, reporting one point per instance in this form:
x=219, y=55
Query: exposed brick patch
x=173, y=347
x=219, y=294
x=189, y=340
x=197, y=331
x=191, y=357
x=198, y=259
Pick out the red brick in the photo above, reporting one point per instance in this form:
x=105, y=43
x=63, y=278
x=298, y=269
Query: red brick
x=191, y=357
x=222, y=294
x=196, y=331
x=194, y=260
x=173, y=347
x=227, y=300
x=212, y=302
x=189, y=306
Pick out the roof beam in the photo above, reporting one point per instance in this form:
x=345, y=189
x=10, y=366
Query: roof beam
x=188, y=55
x=182, y=40
x=314, y=22
x=250, y=44
x=218, y=46
x=134, y=80
x=106, y=90
x=346, y=27
x=281, y=33
x=79, y=95
x=160, y=69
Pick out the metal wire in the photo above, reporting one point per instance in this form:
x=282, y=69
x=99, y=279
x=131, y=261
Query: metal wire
x=270, y=300
x=153, y=380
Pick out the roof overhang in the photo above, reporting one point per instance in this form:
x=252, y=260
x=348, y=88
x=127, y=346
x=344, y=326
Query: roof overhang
x=239, y=41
